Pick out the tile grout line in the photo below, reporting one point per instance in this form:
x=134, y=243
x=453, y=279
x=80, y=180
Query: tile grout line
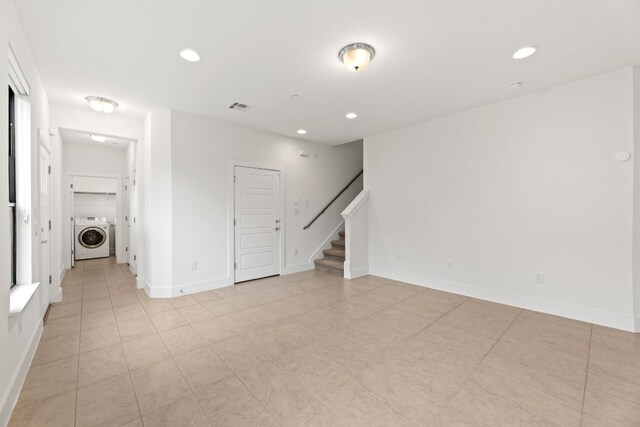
x=75, y=409
x=586, y=374
x=479, y=363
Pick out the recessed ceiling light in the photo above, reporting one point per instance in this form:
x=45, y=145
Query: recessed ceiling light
x=515, y=85
x=101, y=105
x=99, y=138
x=190, y=55
x=301, y=131
x=351, y=115
x=356, y=56
x=524, y=52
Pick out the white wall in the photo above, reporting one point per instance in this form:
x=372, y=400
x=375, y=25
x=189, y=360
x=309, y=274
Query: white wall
x=636, y=194
x=94, y=159
x=511, y=189
x=356, y=221
x=197, y=188
x=158, y=193
x=19, y=335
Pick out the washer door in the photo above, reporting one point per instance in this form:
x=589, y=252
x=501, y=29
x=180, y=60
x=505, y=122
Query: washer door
x=92, y=237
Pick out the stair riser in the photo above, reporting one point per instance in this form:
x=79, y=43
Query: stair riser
x=331, y=270
x=337, y=246
x=336, y=257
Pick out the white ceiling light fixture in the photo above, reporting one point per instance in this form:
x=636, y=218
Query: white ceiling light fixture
x=190, y=55
x=356, y=56
x=351, y=115
x=301, y=131
x=101, y=105
x=515, y=85
x=99, y=138
x=524, y=52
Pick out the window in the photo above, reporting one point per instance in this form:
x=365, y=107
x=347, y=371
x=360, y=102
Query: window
x=12, y=184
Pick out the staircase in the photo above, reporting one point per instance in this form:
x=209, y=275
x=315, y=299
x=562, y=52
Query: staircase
x=333, y=261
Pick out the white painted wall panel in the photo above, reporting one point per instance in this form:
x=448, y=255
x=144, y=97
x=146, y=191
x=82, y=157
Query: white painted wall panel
x=511, y=189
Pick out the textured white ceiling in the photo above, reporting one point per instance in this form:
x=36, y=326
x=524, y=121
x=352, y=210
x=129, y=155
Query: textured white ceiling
x=433, y=57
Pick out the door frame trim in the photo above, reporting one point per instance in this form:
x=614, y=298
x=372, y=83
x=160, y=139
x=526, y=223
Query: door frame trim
x=231, y=254
x=67, y=179
x=54, y=285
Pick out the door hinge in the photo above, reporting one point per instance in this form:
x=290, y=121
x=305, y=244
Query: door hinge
x=71, y=219
x=49, y=224
x=234, y=221
x=234, y=178
x=126, y=188
x=235, y=265
x=134, y=182
x=50, y=279
x=134, y=258
x=126, y=218
x=70, y=185
x=49, y=169
x=126, y=248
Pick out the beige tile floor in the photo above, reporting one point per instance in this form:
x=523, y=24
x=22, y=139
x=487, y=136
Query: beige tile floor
x=314, y=349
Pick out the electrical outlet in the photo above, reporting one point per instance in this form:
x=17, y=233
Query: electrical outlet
x=450, y=265
x=539, y=278
x=194, y=265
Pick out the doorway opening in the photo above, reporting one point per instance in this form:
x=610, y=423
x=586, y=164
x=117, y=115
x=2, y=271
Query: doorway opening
x=97, y=171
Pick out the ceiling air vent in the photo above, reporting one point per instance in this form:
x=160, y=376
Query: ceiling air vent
x=238, y=106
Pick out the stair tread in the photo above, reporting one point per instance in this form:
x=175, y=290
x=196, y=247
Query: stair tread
x=334, y=252
x=330, y=263
x=341, y=234
x=339, y=242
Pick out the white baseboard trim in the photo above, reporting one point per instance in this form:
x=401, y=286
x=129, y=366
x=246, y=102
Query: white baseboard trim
x=585, y=314
x=185, y=289
x=56, y=295
x=63, y=271
x=298, y=268
x=13, y=391
x=350, y=273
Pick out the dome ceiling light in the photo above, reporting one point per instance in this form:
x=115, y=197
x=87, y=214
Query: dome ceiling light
x=101, y=105
x=356, y=56
x=99, y=138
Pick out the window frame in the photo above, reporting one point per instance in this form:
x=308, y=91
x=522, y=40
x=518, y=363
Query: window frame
x=12, y=184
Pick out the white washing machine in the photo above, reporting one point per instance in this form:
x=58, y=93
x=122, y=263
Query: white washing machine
x=92, y=238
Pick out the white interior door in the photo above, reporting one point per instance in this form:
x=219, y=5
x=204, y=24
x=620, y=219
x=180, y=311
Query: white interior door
x=72, y=227
x=127, y=220
x=45, y=220
x=257, y=223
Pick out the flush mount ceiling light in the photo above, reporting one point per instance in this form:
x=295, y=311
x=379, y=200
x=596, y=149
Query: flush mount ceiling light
x=524, y=52
x=301, y=131
x=356, y=56
x=99, y=138
x=351, y=115
x=190, y=55
x=101, y=105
